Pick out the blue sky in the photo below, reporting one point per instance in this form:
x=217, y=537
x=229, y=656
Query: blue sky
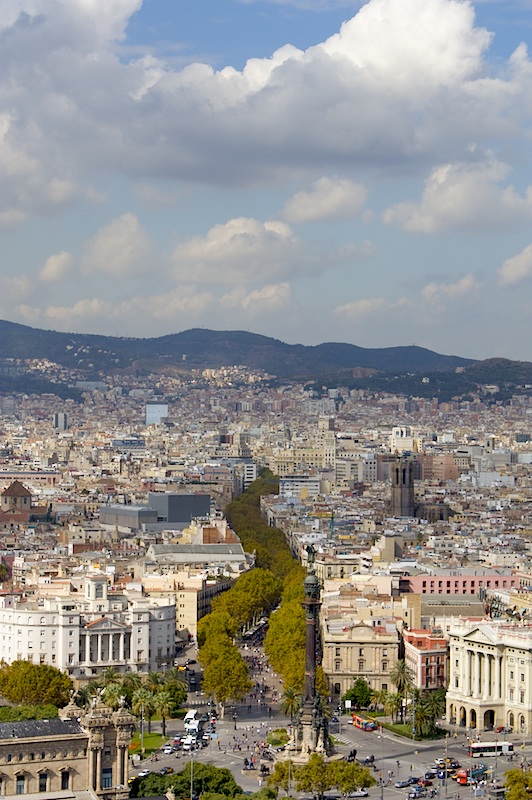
x=313, y=170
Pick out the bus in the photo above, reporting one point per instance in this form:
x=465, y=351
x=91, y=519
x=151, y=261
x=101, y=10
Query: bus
x=362, y=722
x=484, y=749
x=477, y=773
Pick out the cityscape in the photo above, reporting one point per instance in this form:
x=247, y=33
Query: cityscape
x=159, y=529
x=265, y=399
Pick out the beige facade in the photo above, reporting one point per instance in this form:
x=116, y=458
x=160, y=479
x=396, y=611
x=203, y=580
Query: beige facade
x=359, y=650
x=490, y=675
x=82, y=755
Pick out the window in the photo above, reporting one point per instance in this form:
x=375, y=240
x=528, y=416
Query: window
x=20, y=784
x=43, y=782
x=522, y=676
x=511, y=694
x=384, y=666
x=511, y=674
x=337, y=664
x=107, y=778
x=65, y=780
x=361, y=666
x=337, y=651
x=521, y=697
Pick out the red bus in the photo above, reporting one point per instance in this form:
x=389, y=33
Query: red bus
x=363, y=722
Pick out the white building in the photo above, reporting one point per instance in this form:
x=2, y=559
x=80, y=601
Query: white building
x=490, y=675
x=83, y=634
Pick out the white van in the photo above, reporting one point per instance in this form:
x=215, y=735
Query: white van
x=191, y=719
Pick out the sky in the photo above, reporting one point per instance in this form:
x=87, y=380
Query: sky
x=312, y=170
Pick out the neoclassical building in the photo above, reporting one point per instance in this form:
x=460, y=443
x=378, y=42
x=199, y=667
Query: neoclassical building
x=490, y=675
x=80, y=756
x=83, y=633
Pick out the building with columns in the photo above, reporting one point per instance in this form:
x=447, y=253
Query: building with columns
x=490, y=675
x=82, y=633
x=83, y=755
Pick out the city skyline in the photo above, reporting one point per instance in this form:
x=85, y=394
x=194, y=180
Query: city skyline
x=312, y=170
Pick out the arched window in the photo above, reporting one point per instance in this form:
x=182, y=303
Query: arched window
x=43, y=620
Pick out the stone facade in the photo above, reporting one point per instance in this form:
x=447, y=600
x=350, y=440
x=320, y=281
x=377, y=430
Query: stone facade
x=82, y=755
x=490, y=675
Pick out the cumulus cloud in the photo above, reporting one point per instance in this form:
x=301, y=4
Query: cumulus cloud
x=464, y=196
x=436, y=292
x=240, y=251
x=370, y=306
x=56, y=267
x=119, y=249
x=415, y=67
x=329, y=198
x=517, y=269
x=266, y=298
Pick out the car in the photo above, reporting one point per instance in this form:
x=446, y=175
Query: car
x=359, y=793
x=431, y=773
x=425, y=782
x=190, y=661
x=167, y=750
x=144, y=773
x=412, y=780
x=166, y=770
x=417, y=792
x=402, y=784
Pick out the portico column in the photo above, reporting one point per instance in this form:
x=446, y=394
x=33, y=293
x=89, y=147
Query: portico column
x=99, y=769
x=486, y=686
x=497, y=687
x=467, y=671
x=476, y=673
x=99, y=647
x=87, y=647
x=122, y=642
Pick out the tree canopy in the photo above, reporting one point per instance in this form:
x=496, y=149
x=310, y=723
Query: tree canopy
x=25, y=683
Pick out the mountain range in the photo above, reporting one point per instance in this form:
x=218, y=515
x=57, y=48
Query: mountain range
x=404, y=369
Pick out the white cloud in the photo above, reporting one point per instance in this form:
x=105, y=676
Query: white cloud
x=329, y=198
x=464, y=196
x=370, y=306
x=517, y=269
x=415, y=67
x=120, y=249
x=436, y=292
x=266, y=298
x=56, y=267
x=240, y=251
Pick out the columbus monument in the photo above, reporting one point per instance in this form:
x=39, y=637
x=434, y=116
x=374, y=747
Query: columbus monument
x=311, y=728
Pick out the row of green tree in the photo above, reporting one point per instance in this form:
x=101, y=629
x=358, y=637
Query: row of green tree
x=253, y=595
x=318, y=776
x=158, y=693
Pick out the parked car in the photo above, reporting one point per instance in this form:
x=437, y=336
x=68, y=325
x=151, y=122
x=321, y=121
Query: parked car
x=359, y=793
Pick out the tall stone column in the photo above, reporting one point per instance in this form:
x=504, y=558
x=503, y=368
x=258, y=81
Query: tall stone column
x=498, y=688
x=99, y=659
x=467, y=686
x=122, y=647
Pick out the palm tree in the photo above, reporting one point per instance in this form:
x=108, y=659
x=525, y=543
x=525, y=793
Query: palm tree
x=435, y=703
x=289, y=705
x=379, y=698
x=162, y=703
x=393, y=704
x=112, y=694
x=154, y=682
x=142, y=704
x=402, y=678
x=109, y=675
x=83, y=695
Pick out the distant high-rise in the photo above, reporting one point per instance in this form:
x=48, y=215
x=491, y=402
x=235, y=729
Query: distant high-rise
x=61, y=421
x=402, y=503
x=155, y=412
